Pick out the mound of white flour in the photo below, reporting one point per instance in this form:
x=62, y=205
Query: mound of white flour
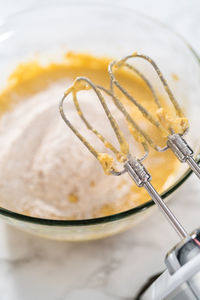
x=42, y=162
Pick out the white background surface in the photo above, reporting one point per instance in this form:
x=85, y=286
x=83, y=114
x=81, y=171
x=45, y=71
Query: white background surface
x=114, y=268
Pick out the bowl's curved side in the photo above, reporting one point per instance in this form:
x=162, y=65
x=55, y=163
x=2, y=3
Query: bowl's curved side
x=100, y=40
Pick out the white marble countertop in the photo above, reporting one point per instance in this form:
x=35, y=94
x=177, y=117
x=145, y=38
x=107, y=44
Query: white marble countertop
x=114, y=268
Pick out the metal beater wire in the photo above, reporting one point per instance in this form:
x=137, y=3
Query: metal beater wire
x=132, y=165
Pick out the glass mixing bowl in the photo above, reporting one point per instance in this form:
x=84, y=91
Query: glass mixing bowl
x=100, y=29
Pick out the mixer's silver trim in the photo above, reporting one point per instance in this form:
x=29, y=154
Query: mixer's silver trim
x=181, y=254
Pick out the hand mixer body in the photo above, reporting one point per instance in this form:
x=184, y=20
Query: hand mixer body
x=181, y=280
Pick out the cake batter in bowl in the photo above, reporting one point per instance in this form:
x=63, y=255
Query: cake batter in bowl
x=42, y=51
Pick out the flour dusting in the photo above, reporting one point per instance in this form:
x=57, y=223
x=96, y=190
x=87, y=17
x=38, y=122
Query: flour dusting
x=44, y=166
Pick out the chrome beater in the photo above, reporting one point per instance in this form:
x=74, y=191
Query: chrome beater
x=175, y=141
x=132, y=165
x=181, y=279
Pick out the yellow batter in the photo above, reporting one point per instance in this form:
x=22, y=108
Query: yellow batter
x=32, y=77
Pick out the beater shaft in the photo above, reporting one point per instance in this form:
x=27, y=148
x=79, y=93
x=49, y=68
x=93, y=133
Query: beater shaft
x=165, y=210
x=142, y=178
x=194, y=166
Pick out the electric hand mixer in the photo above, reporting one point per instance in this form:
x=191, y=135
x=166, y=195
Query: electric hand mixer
x=182, y=278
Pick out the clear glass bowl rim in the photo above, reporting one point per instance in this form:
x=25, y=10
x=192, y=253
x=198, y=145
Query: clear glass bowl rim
x=102, y=220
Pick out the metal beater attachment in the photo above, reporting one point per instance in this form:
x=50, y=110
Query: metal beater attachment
x=132, y=165
x=175, y=140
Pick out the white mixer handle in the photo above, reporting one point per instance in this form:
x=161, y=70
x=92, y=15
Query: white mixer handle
x=181, y=281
